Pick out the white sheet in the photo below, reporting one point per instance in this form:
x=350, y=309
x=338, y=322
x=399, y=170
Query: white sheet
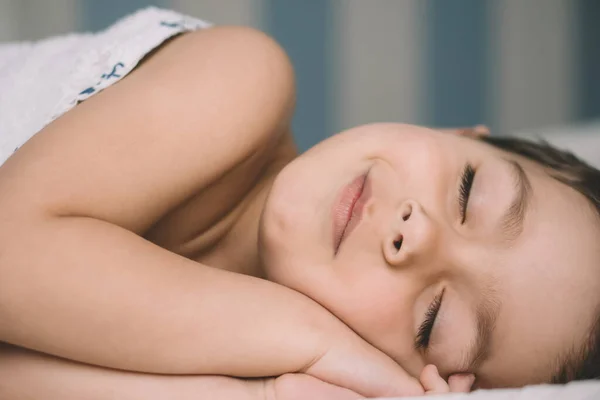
x=582, y=139
x=588, y=390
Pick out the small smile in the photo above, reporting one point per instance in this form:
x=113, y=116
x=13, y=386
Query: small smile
x=347, y=211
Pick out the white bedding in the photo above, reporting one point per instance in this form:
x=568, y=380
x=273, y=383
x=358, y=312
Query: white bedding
x=582, y=139
x=588, y=390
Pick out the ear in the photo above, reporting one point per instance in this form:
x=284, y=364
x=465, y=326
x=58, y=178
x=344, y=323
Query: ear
x=474, y=132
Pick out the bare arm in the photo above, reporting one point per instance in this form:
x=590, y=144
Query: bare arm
x=77, y=280
x=28, y=375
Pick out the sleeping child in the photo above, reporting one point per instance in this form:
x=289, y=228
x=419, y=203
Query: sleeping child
x=160, y=236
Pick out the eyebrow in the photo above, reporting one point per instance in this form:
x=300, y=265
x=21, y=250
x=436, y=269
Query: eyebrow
x=513, y=219
x=486, y=313
x=488, y=309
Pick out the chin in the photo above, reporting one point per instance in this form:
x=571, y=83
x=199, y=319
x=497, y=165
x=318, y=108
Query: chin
x=276, y=224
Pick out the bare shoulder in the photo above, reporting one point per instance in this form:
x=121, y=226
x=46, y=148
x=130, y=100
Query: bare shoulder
x=252, y=63
x=251, y=55
x=244, y=47
x=198, y=107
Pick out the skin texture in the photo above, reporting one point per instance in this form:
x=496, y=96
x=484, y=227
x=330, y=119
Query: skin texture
x=383, y=293
x=93, y=270
x=136, y=242
x=26, y=374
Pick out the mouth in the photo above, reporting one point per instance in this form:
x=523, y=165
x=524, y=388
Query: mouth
x=347, y=210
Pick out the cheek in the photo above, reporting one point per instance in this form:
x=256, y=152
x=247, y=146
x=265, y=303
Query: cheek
x=372, y=306
x=373, y=301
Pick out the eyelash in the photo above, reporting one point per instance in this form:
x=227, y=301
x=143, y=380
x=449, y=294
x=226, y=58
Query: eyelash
x=424, y=332
x=464, y=191
x=426, y=328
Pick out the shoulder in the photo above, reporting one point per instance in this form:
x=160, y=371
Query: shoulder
x=201, y=105
x=229, y=64
x=240, y=44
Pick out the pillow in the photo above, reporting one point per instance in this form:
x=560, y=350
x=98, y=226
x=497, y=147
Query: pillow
x=586, y=390
x=582, y=139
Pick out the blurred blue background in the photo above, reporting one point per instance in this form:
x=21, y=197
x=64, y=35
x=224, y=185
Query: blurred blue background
x=511, y=64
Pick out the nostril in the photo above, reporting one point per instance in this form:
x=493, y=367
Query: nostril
x=398, y=243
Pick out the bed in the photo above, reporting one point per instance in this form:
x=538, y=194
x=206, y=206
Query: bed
x=582, y=139
x=588, y=390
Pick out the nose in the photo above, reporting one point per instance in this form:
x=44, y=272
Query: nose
x=411, y=234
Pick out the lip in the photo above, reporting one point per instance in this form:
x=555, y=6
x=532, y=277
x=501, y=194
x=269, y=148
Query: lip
x=347, y=210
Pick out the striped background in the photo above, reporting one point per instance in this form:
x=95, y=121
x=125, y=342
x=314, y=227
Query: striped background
x=510, y=64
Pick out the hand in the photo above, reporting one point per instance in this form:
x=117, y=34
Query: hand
x=301, y=387
x=433, y=383
x=30, y=375
x=352, y=363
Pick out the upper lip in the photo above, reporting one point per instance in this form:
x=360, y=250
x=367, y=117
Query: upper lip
x=348, y=208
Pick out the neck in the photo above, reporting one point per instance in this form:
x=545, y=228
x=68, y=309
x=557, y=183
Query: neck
x=242, y=241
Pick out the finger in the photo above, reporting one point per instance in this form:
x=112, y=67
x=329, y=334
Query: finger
x=432, y=382
x=302, y=386
x=356, y=365
x=461, y=383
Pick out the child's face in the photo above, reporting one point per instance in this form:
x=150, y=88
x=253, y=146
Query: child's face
x=529, y=292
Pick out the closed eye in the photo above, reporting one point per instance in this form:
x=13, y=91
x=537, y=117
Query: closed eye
x=464, y=191
x=426, y=327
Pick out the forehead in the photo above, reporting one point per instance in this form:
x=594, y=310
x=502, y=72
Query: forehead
x=549, y=281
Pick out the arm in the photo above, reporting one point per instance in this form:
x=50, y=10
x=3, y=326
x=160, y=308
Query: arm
x=28, y=375
x=77, y=280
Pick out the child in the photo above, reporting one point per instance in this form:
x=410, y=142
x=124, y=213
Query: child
x=165, y=225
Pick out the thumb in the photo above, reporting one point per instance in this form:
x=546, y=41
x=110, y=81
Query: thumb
x=358, y=366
